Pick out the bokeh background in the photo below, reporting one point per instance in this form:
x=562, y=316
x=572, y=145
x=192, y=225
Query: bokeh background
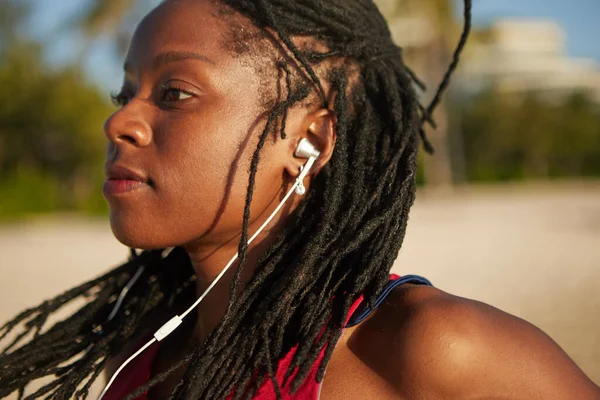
x=508, y=210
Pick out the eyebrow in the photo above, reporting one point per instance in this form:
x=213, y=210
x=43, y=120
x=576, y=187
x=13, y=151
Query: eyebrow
x=174, y=56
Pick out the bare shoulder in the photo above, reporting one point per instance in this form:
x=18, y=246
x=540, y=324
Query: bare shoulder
x=427, y=343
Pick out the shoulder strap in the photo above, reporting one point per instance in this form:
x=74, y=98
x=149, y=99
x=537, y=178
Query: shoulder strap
x=363, y=311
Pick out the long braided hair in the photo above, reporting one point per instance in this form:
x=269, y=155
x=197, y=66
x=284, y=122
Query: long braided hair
x=339, y=243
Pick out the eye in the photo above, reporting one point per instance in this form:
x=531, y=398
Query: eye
x=119, y=99
x=173, y=93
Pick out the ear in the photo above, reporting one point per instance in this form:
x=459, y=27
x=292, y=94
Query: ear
x=319, y=128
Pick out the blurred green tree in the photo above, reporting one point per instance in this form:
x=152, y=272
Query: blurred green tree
x=51, y=142
x=509, y=137
x=576, y=143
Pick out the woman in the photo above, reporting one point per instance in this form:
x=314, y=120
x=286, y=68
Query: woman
x=216, y=99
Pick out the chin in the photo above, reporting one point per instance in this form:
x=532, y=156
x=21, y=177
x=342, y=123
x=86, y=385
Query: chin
x=136, y=235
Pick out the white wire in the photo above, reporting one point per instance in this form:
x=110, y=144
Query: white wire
x=287, y=196
x=137, y=353
x=124, y=292
x=166, y=326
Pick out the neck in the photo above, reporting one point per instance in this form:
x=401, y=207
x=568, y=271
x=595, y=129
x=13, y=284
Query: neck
x=212, y=309
x=209, y=260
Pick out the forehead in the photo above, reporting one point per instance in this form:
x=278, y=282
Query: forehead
x=186, y=26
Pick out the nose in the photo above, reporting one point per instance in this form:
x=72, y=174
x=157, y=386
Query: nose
x=127, y=126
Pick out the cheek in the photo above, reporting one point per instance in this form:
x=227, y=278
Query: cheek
x=204, y=169
x=200, y=161
x=197, y=169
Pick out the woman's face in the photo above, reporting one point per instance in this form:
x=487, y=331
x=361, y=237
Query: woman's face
x=189, y=124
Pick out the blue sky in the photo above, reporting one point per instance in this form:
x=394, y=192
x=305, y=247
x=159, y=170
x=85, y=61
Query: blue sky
x=580, y=19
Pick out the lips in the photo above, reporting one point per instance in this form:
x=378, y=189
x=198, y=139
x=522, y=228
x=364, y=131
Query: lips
x=117, y=172
x=120, y=179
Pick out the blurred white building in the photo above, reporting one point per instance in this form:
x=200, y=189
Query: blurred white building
x=528, y=55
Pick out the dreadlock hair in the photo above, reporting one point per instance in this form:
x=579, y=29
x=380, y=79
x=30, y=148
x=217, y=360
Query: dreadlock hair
x=340, y=242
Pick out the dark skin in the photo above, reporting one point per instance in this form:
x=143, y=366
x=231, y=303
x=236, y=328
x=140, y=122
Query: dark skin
x=191, y=114
x=190, y=119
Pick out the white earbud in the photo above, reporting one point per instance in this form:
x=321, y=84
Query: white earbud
x=305, y=149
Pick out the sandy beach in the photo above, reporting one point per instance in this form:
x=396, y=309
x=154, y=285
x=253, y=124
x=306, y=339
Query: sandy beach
x=533, y=251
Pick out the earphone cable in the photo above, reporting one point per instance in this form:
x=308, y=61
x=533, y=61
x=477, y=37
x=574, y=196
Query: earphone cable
x=177, y=320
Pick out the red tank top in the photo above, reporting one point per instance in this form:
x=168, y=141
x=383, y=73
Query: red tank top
x=138, y=372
